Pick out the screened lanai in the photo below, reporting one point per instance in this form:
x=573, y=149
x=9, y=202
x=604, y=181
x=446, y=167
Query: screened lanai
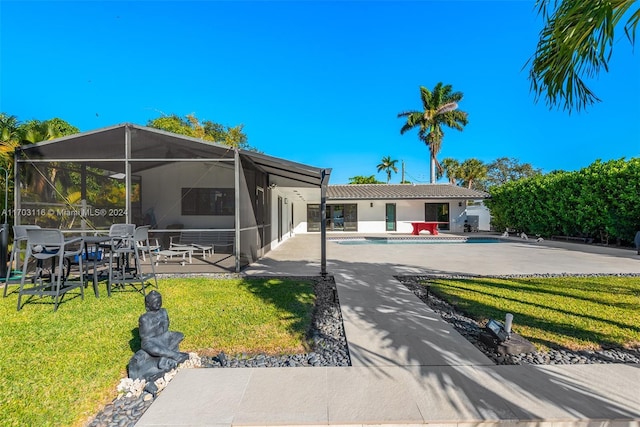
x=173, y=183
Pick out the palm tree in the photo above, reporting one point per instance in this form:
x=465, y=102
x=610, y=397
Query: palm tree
x=451, y=168
x=9, y=139
x=472, y=170
x=388, y=166
x=577, y=40
x=439, y=108
x=36, y=131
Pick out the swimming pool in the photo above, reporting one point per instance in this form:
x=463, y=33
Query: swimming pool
x=413, y=241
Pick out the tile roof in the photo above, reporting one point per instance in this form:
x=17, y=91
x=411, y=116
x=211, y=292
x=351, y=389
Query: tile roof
x=401, y=191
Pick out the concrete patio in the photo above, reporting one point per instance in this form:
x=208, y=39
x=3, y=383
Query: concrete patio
x=409, y=366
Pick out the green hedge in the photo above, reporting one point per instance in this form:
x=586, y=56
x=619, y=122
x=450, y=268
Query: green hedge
x=601, y=201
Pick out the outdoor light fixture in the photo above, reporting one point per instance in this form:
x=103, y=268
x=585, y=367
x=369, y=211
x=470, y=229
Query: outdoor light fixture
x=497, y=330
x=371, y=204
x=499, y=337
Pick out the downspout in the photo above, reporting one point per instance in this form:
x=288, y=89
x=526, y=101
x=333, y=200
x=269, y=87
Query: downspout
x=323, y=224
x=127, y=171
x=236, y=163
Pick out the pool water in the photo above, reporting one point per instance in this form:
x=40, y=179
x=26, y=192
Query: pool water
x=396, y=241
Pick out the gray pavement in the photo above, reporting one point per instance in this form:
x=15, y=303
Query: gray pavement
x=409, y=366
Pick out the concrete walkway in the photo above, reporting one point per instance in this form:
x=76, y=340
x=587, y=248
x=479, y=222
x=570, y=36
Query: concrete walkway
x=409, y=366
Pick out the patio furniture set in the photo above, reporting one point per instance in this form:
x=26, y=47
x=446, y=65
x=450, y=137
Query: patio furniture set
x=48, y=263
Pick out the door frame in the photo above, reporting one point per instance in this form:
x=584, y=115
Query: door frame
x=386, y=217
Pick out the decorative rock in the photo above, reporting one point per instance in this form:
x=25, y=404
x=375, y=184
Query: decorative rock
x=515, y=344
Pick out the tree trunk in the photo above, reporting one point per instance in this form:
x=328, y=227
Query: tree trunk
x=433, y=170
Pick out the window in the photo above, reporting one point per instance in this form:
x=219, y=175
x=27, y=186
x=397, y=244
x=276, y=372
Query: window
x=208, y=201
x=313, y=217
x=338, y=217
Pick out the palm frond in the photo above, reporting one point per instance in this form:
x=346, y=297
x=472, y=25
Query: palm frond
x=426, y=96
x=631, y=25
x=576, y=41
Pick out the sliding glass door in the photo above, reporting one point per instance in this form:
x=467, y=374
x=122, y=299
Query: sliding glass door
x=339, y=217
x=437, y=212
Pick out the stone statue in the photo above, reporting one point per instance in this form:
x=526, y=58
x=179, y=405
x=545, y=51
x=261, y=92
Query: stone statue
x=159, y=351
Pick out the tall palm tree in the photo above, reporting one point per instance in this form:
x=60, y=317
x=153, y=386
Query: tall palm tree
x=577, y=40
x=439, y=108
x=388, y=166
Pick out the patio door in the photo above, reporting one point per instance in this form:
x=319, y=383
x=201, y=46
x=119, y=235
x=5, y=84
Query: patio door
x=390, y=217
x=437, y=212
x=351, y=217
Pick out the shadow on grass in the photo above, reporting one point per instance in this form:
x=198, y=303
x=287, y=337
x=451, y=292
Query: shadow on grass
x=134, y=342
x=482, y=311
x=532, y=284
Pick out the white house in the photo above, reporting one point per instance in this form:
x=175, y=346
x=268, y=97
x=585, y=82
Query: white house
x=385, y=208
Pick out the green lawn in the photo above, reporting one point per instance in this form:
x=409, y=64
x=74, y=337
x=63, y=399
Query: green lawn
x=59, y=368
x=571, y=312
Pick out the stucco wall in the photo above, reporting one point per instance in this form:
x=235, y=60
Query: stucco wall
x=162, y=191
x=286, y=217
x=371, y=219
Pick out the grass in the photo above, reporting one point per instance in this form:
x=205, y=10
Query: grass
x=59, y=368
x=571, y=312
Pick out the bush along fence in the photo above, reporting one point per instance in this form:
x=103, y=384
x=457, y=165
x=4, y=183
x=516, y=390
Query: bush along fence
x=599, y=202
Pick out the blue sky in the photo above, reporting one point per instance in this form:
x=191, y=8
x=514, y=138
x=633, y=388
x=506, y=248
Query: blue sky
x=316, y=82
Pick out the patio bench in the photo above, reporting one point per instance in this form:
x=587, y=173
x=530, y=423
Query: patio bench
x=217, y=240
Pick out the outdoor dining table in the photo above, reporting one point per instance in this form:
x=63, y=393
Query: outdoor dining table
x=430, y=226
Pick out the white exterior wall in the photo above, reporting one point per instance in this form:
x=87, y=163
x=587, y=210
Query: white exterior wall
x=162, y=191
x=299, y=217
x=372, y=219
x=407, y=211
x=287, y=231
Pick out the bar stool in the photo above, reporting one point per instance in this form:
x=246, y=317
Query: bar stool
x=44, y=244
x=124, y=251
x=19, y=248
